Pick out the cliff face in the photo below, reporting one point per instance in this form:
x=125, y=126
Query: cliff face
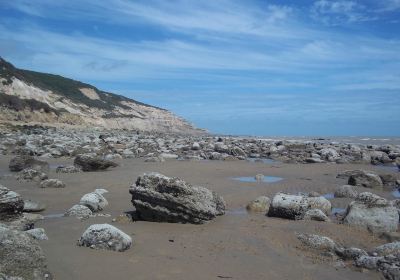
x=33, y=97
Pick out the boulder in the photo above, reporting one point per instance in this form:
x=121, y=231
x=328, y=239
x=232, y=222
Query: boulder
x=163, y=199
x=21, y=162
x=387, y=249
x=346, y=191
x=260, y=204
x=29, y=174
x=37, y=233
x=68, y=169
x=52, y=183
x=368, y=262
x=79, y=211
x=21, y=256
x=365, y=179
x=317, y=242
x=295, y=206
x=316, y=215
x=105, y=237
x=350, y=253
x=89, y=163
x=94, y=200
x=11, y=204
x=33, y=206
x=373, y=213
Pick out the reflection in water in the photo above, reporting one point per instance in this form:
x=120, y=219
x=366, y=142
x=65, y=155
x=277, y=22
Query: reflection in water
x=329, y=195
x=265, y=179
x=396, y=193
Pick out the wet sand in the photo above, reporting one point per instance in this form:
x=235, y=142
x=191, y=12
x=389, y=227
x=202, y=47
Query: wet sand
x=237, y=245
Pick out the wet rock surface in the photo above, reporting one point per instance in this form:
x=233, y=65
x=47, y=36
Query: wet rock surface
x=11, y=204
x=89, y=163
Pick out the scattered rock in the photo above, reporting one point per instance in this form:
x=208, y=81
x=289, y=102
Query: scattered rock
x=367, y=262
x=387, y=249
x=373, y=213
x=11, y=204
x=88, y=163
x=37, y=233
x=106, y=237
x=95, y=201
x=68, y=169
x=316, y=215
x=317, y=242
x=21, y=256
x=159, y=198
x=52, y=183
x=365, y=179
x=21, y=162
x=33, y=206
x=79, y=211
x=295, y=206
x=32, y=174
x=346, y=191
x=260, y=204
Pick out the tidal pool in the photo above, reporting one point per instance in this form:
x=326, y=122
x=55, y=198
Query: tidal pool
x=266, y=179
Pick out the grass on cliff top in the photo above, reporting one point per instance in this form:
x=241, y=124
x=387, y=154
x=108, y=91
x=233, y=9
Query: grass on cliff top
x=64, y=87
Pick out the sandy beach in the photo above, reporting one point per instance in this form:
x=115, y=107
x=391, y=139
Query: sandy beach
x=237, y=245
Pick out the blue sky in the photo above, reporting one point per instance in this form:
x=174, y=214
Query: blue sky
x=294, y=67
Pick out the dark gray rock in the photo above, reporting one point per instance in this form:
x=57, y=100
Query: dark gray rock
x=88, y=163
x=21, y=162
x=11, y=204
x=159, y=198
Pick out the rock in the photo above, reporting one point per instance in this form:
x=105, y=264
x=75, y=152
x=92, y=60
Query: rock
x=155, y=159
x=159, y=198
x=365, y=179
x=68, y=169
x=295, y=206
x=329, y=154
x=220, y=147
x=95, y=201
x=390, y=266
x=373, y=213
x=346, y=191
x=350, y=253
x=52, y=183
x=32, y=174
x=100, y=191
x=260, y=204
x=367, y=262
x=314, y=194
x=25, y=222
x=88, y=163
x=391, y=236
x=106, y=237
x=388, y=180
x=33, y=206
x=317, y=242
x=387, y=249
x=259, y=177
x=316, y=215
x=79, y=211
x=169, y=156
x=37, y=233
x=196, y=146
x=21, y=162
x=11, y=204
x=238, y=152
x=21, y=256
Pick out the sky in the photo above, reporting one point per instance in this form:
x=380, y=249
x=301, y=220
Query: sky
x=249, y=67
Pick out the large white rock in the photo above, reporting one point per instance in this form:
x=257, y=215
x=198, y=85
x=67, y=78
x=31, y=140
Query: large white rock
x=79, y=211
x=295, y=206
x=106, y=237
x=373, y=213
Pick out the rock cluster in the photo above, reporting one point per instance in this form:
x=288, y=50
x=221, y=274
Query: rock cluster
x=159, y=198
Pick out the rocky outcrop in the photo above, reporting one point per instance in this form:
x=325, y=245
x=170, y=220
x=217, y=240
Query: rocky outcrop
x=295, y=206
x=159, y=198
x=21, y=256
x=372, y=212
x=89, y=163
x=105, y=237
x=11, y=204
